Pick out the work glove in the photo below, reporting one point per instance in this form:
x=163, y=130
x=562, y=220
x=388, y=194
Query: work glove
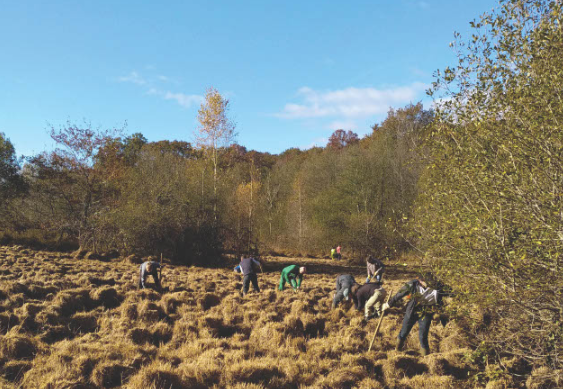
x=385, y=307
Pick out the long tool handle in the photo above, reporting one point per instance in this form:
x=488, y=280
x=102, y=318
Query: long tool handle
x=160, y=270
x=378, y=324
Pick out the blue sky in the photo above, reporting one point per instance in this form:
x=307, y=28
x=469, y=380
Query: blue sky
x=294, y=71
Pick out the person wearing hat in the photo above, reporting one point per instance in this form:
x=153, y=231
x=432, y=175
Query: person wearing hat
x=248, y=268
x=423, y=303
x=344, y=283
x=368, y=297
x=375, y=269
x=293, y=275
x=149, y=268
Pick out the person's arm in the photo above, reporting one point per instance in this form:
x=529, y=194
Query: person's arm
x=256, y=264
x=404, y=291
x=143, y=276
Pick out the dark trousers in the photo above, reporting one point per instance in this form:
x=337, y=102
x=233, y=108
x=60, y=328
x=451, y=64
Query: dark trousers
x=424, y=321
x=155, y=279
x=246, y=283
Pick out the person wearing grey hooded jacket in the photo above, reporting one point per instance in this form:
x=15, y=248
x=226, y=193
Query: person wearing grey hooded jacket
x=149, y=268
x=344, y=283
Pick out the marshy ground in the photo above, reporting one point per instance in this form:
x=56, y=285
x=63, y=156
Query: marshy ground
x=82, y=323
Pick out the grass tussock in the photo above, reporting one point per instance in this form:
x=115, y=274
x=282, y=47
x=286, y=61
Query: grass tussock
x=83, y=323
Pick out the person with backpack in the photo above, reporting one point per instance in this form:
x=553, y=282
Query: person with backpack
x=375, y=269
x=248, y=268
x=332, y=253
x=423, y=303
x=293, y=275
x=344, y=283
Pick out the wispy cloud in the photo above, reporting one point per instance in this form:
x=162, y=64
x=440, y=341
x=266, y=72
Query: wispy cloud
x=134, y=78
x=183, y=99
x=349, y=103
x=153, y=85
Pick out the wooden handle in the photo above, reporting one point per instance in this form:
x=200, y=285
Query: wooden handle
x=378, y=324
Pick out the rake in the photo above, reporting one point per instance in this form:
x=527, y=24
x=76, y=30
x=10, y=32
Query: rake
x=378, y=324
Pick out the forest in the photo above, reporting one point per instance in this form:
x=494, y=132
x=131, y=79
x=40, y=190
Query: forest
x=471, y=188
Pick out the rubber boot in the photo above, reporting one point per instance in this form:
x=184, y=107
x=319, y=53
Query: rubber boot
x=400, y=344
x=424, y=351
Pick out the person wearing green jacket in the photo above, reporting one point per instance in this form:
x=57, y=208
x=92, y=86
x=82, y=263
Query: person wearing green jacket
x=293, y=275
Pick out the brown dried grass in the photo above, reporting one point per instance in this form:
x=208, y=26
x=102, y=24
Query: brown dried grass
x=83, y=324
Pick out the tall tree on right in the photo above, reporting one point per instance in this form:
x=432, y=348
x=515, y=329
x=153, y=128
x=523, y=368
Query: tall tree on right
x=491, y=208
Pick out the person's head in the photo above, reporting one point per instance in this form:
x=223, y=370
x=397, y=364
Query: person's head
x=302, y=270
x=369, y=259
x=149, y=267
x=428, y=280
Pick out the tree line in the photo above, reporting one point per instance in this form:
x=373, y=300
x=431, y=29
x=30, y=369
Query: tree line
x=106, y=191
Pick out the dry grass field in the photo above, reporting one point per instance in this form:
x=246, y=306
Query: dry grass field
x=82, y=323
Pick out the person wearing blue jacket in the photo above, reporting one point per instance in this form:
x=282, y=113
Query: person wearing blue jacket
x=248, y=268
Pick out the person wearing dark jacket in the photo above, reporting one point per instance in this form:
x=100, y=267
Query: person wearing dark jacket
x=423, y=303
x=149, y=268
x=375, y=269
x=248, y=268
x=368, y=296
x=344, y=283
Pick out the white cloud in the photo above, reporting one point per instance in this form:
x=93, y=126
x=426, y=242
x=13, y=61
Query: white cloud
x=182, y=99
x=150, y=84
x=134, y=78
x=349, y=103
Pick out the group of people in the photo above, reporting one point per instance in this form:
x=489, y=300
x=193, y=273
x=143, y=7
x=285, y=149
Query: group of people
x=335, y=252
x=424, y=301
x=424, y=295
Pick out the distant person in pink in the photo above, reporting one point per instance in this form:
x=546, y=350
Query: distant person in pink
x=338, y=255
